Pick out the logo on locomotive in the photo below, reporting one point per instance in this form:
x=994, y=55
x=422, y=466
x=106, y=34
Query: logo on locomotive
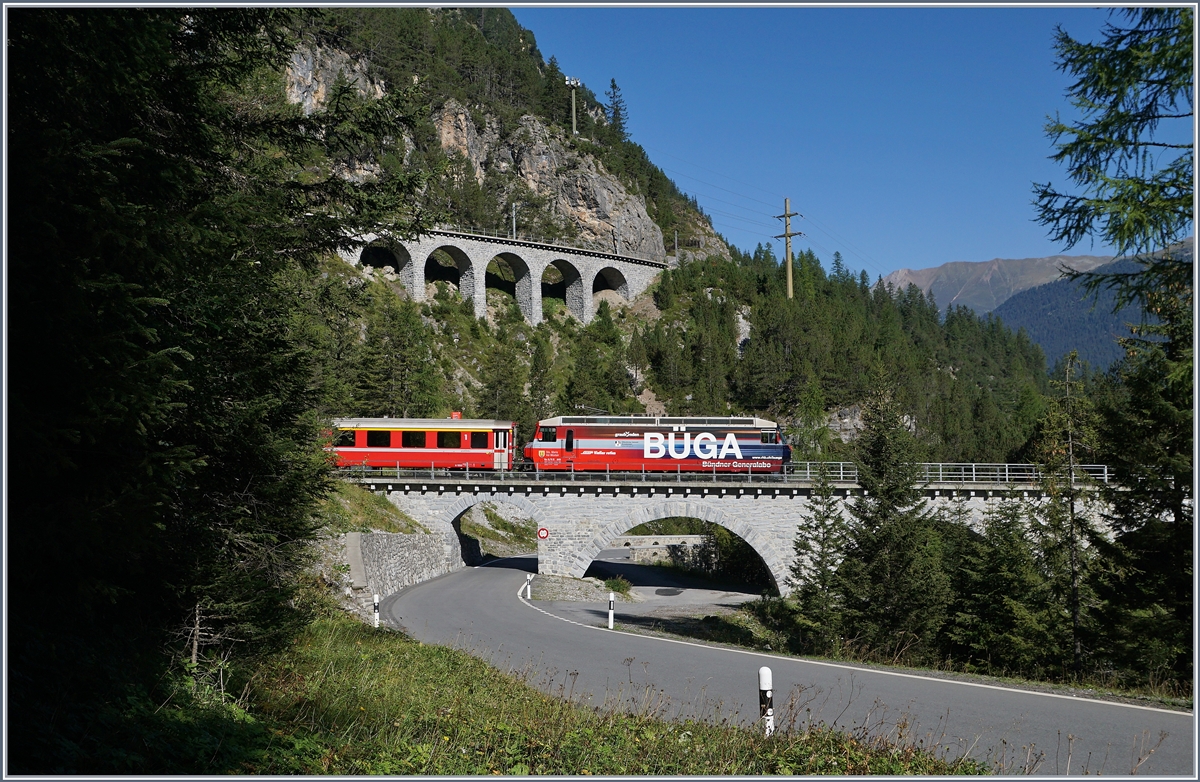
x=655, y=445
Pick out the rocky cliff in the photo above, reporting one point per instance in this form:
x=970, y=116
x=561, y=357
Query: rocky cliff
x=576, y=187
x=312, y=72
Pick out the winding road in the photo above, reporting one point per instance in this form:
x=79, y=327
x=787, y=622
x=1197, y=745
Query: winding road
x=565, y=648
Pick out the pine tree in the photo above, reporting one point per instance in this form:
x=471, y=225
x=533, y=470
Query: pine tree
x=820, y=545
x=397, y=373
x=1136, y=180
x=616, y=110
x=1003, y=618
x=500, y=395
x=895, y=589
x=1065, y=514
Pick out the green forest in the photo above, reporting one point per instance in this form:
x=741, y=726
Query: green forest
x=183, y=330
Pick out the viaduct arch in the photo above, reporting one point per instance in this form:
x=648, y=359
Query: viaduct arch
x=582, y=517
x=584, y=272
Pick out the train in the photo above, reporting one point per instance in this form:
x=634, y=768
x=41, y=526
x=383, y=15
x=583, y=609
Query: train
x=427, y=443
x=654, y=444
x=565, y=443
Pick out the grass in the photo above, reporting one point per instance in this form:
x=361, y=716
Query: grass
x=351, y=508
x=618, y=584
x=505, y=537
x=346, y=699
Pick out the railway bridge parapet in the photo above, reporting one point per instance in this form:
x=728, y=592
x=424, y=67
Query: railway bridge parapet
x=580, y=515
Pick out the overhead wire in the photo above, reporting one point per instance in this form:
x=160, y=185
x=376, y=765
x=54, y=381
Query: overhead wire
x=850, y=247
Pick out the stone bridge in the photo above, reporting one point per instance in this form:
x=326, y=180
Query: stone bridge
x=581, y=517
x=583, y=272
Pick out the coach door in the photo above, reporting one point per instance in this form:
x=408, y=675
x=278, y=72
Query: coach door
x=500, y=450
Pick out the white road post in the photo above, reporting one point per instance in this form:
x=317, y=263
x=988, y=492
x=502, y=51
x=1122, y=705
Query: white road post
x=766, y=705
x=612, y=599
x=529, y=587
x=377, y=610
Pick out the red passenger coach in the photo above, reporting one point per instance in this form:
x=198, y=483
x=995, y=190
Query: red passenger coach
x=447, y=443
x=639, y=443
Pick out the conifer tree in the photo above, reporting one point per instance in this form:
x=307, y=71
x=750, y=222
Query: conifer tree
x=397, y=373
x=500, y=395
x=820, y=545
x=1065, y=516
x=616, y=110
x=1003, y=617
x=895, y=589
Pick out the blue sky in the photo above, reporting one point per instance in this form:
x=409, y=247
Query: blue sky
x=907, y=137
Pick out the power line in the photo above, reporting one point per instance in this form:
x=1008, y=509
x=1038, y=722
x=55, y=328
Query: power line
x=710, y=184
x=711, y=171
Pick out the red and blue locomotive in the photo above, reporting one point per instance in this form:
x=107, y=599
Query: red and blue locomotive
x=636, y=443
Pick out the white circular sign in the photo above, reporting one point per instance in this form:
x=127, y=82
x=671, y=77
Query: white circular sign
x=543, y=533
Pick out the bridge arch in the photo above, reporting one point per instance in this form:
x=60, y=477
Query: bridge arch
x=382, y=253
x=468, y=501
x=521, y=286
x=705, y=511
x=462, y=274
x=570, y=289
x=610, y=279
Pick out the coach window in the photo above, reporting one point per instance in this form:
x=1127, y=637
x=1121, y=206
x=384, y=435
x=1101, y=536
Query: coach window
x=549, y=434
x=344, y=439
x=449, y=440
x=379, y=439
x=770, y=437
x=479, y=439
x=413, y=439
x=570, y=440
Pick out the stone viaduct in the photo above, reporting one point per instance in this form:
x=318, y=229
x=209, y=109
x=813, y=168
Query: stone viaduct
x=583, y=272
x=581, y=517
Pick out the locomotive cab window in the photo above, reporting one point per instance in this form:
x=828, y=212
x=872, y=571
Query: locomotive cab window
x=344, y=438
x=449, y=439
x=379, y=439
x=570, y=440
x=549, y=435
x=770, y=437
x=413, y=439
x=479, y=439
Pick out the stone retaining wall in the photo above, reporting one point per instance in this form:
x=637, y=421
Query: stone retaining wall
x=393, y=560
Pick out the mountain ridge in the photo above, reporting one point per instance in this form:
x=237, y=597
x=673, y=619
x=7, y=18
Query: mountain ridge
x=985, y=285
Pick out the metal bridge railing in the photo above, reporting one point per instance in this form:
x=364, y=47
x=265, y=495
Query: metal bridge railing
x=795, y=472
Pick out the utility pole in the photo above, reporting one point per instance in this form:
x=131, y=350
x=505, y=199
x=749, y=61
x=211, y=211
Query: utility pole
x=514, y=221
x=787, y=235
x=573, y=83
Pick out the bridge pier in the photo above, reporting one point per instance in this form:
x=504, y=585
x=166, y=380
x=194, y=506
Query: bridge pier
x=583, y=271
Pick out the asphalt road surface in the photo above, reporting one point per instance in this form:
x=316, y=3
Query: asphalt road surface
x=566, y=648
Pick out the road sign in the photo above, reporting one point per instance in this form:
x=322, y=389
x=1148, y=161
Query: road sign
x=543, y=533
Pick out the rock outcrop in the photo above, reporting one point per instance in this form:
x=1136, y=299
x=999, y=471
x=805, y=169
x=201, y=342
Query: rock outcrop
x=577, y=187
x=312, y=73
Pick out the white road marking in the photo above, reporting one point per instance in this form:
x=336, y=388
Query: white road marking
x=750, y=653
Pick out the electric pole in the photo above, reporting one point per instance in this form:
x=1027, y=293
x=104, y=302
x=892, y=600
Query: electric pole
x=573, y=83
x=514, y=221
x=787, y=235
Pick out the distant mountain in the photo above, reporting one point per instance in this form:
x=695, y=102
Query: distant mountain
x=1060, y=317
x=985, y=285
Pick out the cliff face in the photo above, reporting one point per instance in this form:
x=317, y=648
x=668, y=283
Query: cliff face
x=311, y=74
x=577, y=187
